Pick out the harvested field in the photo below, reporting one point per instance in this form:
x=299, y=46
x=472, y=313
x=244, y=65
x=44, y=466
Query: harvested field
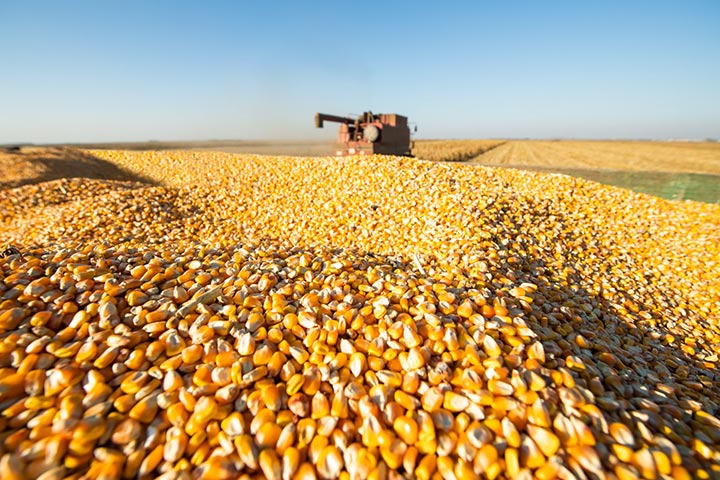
x=689, y=157
x=209, y=315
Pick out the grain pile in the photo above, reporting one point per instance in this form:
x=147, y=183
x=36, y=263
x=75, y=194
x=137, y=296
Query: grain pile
x=357, y=318
x=31, y=165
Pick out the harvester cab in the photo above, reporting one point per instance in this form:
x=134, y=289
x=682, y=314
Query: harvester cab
x=385, y=133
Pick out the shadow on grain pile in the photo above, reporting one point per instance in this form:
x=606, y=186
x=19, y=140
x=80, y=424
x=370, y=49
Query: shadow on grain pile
x=32, y=165
x=648, y=367
x=45, y=189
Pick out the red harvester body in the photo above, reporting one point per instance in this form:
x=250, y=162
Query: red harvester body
x=385, y=133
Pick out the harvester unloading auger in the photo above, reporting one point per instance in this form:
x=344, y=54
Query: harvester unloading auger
x=384, y=133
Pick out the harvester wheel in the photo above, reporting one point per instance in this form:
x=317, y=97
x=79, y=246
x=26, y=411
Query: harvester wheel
x=371, y=133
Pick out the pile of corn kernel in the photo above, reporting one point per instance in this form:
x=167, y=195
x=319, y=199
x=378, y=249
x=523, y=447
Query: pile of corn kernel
x=356, y=318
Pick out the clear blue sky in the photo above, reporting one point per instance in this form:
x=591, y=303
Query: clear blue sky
x=178, y=70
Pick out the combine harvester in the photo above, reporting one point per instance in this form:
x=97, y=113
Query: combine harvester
x=385, y=133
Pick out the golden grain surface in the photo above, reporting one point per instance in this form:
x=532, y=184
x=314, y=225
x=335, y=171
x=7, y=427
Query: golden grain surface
x=374, y=317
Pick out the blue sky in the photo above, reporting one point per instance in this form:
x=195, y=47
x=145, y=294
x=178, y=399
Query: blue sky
x=77, y=71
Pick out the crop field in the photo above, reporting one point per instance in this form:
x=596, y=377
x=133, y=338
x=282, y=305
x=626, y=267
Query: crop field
x=688, y=157
x=199, y=314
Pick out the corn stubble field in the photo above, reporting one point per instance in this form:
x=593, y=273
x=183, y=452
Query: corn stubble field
x=690, y=157
x=207, y=315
